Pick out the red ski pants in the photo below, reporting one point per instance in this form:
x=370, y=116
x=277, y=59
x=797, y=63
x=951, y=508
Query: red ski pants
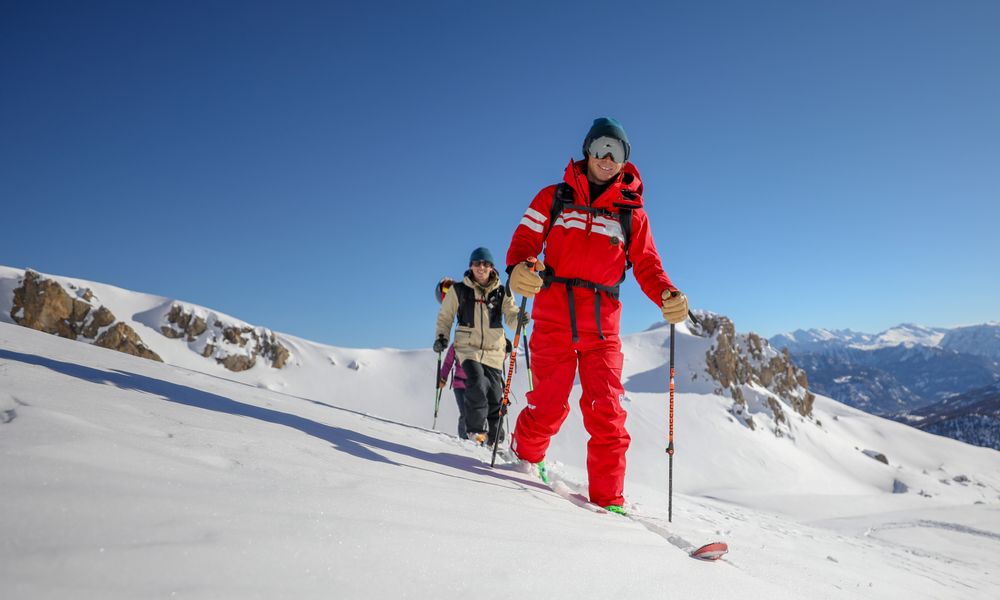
x=554, y=360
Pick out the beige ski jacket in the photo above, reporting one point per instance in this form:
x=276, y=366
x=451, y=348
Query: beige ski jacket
x=480, y=334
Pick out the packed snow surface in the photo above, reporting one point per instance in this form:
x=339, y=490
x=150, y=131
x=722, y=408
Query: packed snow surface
x=126, y=478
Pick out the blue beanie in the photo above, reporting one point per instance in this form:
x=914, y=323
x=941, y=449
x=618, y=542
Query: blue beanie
x=481, y=254
x=609, y=127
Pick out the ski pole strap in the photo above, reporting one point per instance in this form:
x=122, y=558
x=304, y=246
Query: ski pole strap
x=611, y=290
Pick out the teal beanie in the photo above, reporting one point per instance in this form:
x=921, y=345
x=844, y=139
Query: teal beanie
x=481, y=254
x=609, y=127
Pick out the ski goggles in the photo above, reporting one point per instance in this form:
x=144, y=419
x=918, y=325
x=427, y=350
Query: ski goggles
x=605, y=146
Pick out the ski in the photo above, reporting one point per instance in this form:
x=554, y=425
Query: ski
x=706, y=552
x=711, y=551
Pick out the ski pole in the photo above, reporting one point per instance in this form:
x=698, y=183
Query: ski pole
x=527, y=360
x=510, y=370
x=437, y=392
x=670, y=439
x=510, y=377
x=504, y=417
x=531, y=386
x=670, y=444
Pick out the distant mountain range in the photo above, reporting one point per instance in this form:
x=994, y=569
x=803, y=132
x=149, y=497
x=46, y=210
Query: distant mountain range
x=972, y=417
x=939, y=379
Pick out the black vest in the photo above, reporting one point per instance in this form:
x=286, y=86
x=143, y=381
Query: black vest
x=467, y=302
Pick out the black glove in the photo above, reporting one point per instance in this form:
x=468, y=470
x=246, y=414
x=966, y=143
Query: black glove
x=510, y=346
x=440, y=344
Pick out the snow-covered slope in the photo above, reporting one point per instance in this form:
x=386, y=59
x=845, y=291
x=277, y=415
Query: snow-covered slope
x=127, y=478
x=315, y=371
x=124, y=477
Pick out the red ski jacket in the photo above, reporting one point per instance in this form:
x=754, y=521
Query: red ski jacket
x=587, y=246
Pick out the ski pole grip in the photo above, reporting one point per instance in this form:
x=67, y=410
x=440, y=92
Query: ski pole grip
x=535, y=265
x=675, y=293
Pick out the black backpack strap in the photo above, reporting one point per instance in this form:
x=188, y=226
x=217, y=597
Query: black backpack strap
x=625, y=220
x=562, y=198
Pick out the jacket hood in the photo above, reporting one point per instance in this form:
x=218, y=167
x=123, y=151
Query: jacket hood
x=625, y=190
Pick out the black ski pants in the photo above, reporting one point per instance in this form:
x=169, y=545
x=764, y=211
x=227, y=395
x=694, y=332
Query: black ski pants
x=460, y=399
x=483, y=393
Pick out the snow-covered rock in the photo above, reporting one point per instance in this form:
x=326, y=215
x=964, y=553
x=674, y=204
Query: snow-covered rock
x=67, y=310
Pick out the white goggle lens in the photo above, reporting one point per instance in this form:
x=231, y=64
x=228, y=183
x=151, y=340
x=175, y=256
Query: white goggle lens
x=607, y=146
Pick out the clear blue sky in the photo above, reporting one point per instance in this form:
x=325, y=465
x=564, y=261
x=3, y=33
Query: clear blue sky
x=315, y=167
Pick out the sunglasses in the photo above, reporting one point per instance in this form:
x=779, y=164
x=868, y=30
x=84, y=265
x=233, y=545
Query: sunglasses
x=480, y=263
x=605, y=146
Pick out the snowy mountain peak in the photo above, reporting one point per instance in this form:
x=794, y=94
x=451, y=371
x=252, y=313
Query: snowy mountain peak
x=908, y=334
x=980, y=340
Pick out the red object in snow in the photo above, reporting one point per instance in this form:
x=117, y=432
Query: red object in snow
x=713, y=551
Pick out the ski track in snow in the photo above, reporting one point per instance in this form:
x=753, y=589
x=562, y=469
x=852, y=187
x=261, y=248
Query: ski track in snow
x=938, y=525
x=573, y=491
x=922, y=559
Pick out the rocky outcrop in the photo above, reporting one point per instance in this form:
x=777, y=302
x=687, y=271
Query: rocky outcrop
x=235, y=346
x=75, y=313
x=123, y=338
x=183, y=324
x=43, y=305
x=102, y=317
x=749, y=370
x=46, y=305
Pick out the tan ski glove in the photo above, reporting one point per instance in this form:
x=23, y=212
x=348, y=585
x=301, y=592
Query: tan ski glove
x=524, y=279
x=675, y=306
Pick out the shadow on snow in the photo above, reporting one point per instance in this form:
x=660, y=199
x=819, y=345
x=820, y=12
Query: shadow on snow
x=351, y=442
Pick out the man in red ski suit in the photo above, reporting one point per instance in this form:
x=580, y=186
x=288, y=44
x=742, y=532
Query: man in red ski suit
x=576, y=310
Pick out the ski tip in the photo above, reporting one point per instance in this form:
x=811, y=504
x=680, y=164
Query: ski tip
x=713, y=551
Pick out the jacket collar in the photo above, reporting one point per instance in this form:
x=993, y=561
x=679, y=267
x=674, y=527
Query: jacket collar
x=491, y=285
x=625, y=190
